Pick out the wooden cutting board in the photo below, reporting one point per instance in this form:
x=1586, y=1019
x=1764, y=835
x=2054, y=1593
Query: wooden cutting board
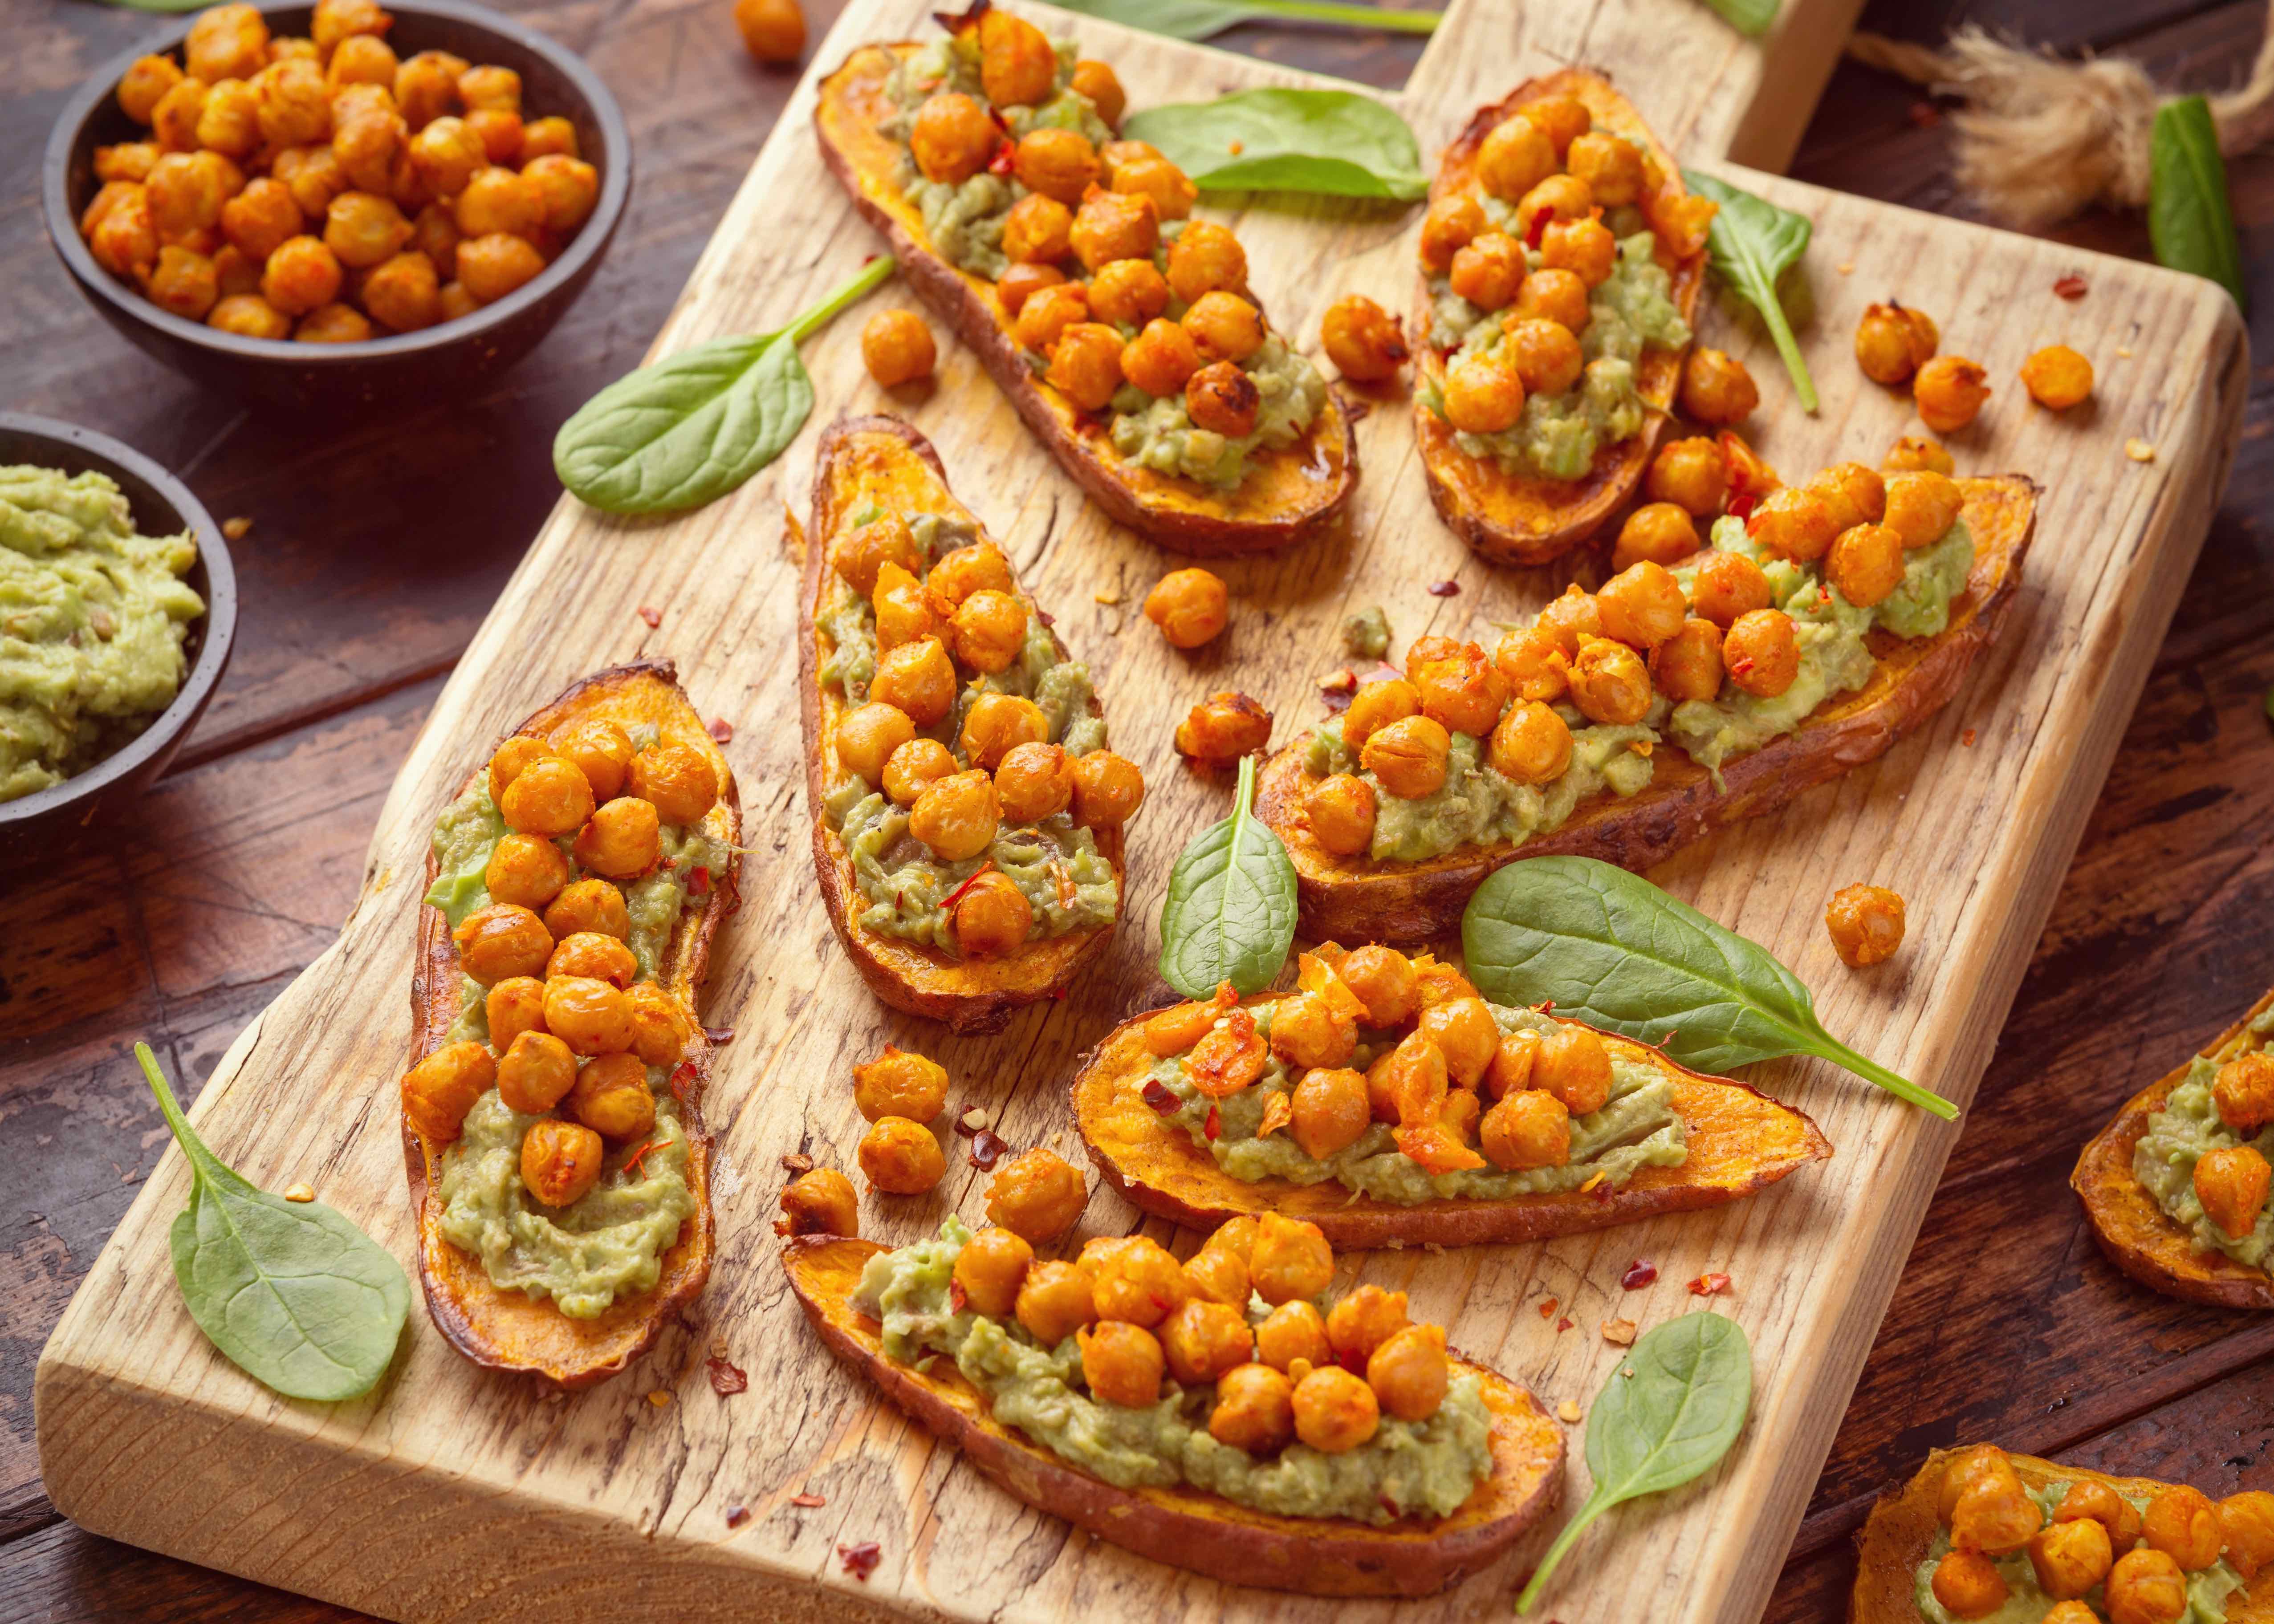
x=454, y=1494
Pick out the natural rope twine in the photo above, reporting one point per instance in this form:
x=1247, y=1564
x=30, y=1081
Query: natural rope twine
x=2041, y=138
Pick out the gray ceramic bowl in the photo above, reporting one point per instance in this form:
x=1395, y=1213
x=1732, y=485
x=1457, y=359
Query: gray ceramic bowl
x=419, y=367
x=45, y=822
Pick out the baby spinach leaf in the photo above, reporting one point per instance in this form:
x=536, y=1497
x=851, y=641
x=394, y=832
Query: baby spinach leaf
x=1230, y=915
x=1667, y=1414
x=1612, y=950
x=2189, y=219
x=695, y=425
x=1202, y=19
x=1751, y=243
x=297, y=1296
x=1752, y=17
x=1278, y=140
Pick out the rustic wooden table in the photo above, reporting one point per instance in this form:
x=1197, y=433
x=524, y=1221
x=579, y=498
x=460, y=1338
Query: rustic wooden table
x=374, y=555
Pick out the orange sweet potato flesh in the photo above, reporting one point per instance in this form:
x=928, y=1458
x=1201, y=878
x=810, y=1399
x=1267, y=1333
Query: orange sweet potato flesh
x=1897, y=1537
x=1358, y=900
x=511, y=1330
x=1523, y=519
x=882, y=460
x=1740, y=1140
x=1286, y=495
x=2133, y=1229
x=1186, y=1527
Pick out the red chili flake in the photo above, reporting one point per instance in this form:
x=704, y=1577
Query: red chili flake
x=861, y=1560
x=811, y=1502
x=956, y=895
x=737, y=1515
x=631, y=1163
x=2071, y=287
x=726, y=1379
x=987, y=1148
x=1000, y=164
x=1547, y=1008
x=870, y=259
x=1444, y=589
x=682, y=1075
x=958, y=1298
x=654, y=617
x=1158, y=1096
x=1968, y=738
x=1213, y=1126
x=1740, y=503
x=1741, y=665
x=1924, y=114
x=1387, y=1504
x=721, y=729
x=1548, y=1308
x=718, y=1034
x=1709, y=1285
x=1540, y=221
x=699, y=883
x=1640, y=1274
x=1057, y=994
x=1562, y=1325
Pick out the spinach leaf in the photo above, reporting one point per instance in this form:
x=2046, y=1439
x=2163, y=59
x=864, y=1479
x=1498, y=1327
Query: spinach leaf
x=695, y=425
x=1230, y=915
x=1751, y=244
x=297, y=1296
x=1202, y=19
x=1276, y=139
x=1612, y=950
x=1751, y=16
x=2189, y=219
x=1671, y=1410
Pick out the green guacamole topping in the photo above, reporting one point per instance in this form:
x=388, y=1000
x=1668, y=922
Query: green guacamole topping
x=1636, y=1128
x=1427, y=1468
x=1157, y=432
x=611, y=1239
x=1066, y=881
x=1558, y=435
x=2026, y=1601
x=2181, y=1134
x=92, y=619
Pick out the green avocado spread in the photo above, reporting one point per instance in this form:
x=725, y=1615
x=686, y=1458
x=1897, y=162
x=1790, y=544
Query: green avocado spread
x=92, y=619
x=1427, y=1468
x=2026, y=1601
x=1066, y=881
x=611, y=1239
x=1636, y=1128
x=1157, y=432
x=1477, y=806
x=2182, y=1133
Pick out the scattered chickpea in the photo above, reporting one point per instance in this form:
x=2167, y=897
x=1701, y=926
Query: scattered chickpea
x=1893, y=341
x=1364, y=340
x=1948, y=392
x=2057, y=378
x=901, y=1157
x=1716, y=388
x=1222, y=728
x=1189, y=606
x=1866, y=922
x=897, y=346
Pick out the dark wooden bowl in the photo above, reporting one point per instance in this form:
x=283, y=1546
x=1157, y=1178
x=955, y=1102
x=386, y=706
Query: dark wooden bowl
x=343, y=379
x=46, y=823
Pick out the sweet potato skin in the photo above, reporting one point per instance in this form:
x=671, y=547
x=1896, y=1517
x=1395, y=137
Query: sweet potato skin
x=1741, y=1141
x=1897, y=1535
x=1503, y=517
x=1288, y=495
x=860, y=454
x=508, y=1330
x=1354, y=900
x=1181, y=1526
x=2131, y=1229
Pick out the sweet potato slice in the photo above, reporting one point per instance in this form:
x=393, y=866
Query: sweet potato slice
x=509, y=1330
x=1358, y=900
x=2135, y=1231
x=1286, y=494
x=1897, y=1537
x=1521, y=519
x=1740, y=1141
x=1186, y=1527
x=883, y=461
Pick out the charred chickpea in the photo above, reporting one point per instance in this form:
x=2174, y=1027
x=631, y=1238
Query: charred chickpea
x=1364, y=340
x=772, y=31
x=1516, y=155
x=1330, y=1111
x=1729, y=585
x=914, y=766
x=1949, y=392
x=1054, y=1301
x=1335, y=1412
x=1893, y=343
x=996, y=725
x=1488, y=269
x=1688, y=665
x=1108, y=789
x=1098, y=81
x=514, y=1005
x=1021, y=281
x=440, y=1090
x=660, y=1024
x=897, y=347
x=621, y=840
x=957, y=816
x=1716, y=388
x=992, y=917
x=1121, y=1363
x=1761, y=652
x=1223, y=727
x=2145, y=1586
x=1132, y=292
x=1792, y=522
x=991, y=1268
x=1914, y=454
x=1572, y=1064
x=1609, y=682
x=1584, y=247
x=1642, y=606
x=594, y=953
x=1340, y=811
x=952, y=138
x=1481, y=396
x=1452, y=223
x=1547, y=356
x=917, y=677
x=1693, y=475
x=2070, y=1558
x=1189, y=606
x=1115, y=225
x=1222, y=399
x=1290, y=1259
x=612, y=1098
x=559, y=1160
x=588, y=905
x=1922, y=507
x=1047, y=313
x=897, y=1083
x=1036, y=1194
x=1293, y=1330
x=821, y=1202
x=2057, y=378
x=502, y=940
x=1086, y=365
x=1408, y=757
x=590, y=1016
x=1254, y=1410
x=2231, y=1181
x=1555, y=296
x=1036, y=230
x=1205, y=1340
x=1161, y=359
x=1968, y=1585
x=1034, y=781
x=901, y=1157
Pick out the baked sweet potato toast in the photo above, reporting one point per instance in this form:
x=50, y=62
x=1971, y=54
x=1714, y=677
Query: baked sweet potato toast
x=2132, y=1226
x=873, y=472
x=1179, y=1524
x=504, y=1327
x=1521, y=194
x=1904, y=1528
x=1358, y=896
x=1291, y=484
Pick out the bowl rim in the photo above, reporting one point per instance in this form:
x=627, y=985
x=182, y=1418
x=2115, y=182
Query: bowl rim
x=220, y=619
x=590, y=239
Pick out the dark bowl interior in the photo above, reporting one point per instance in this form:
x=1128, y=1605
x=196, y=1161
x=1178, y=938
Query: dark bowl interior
x=334, y=377
x=44, y=822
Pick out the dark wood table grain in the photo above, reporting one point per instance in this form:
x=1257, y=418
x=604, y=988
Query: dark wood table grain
x=374, y=556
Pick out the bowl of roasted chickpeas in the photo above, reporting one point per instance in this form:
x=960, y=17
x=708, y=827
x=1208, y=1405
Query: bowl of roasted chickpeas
x=337, y=207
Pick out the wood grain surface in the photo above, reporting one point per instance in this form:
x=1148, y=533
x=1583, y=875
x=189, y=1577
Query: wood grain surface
x=242, y=862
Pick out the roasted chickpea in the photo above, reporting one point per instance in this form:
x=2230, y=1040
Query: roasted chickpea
x=512, y=1006
x=1968, y=1585
x=1115, y=225
x=660, y=1026
x=952, y=138
x=901, y=1157
x=1098, y=82
x=1335, y=1412
x=1383, y=981
x=1047, y=313
x=1995, y=1516
x=1189, y=606
x=405, y=292
x=1914, y=454
x=1140, y=1282
x=988, y=630
x=1464, y=1031
x=1922, y=507
x=1515, y=156
x=1865, y=564
x=174, y=118
x=957, y=816
x=1058, y=166
x=1532, y=662
x=184, y=283
x=261, y=219
x=2084, y=1499
x=1021, y=281
x=916, y=678
x=1340, y=811
x=1205, y=1340
x=1121, y=1362
x=147, y=78
x=1362, y=1321
x=1035, y=231
x=367, y=144
x=1330, y=1111
x=992, y=917
x=1224, y=328
x=1948, y=392
x=1254, y=1410
x=549, y=797
x=1727, y=586
x=2231, y=1183
x=490, y=267
x=1609, y=682
x=1218, y=1276
x=772, y=31
x=1482, y=397
x=2070, y=1558
x=559, y=1160
x=1407, y=1085
x=333, y=323
x=1085, y=365
x=1222, y=399
x=2146, y=1587
x=499, y=131
x=1054, y=1301
x=1033, y=782
x=129, y=160
x=1792, y=523
x=679, y=779
x=1572, y=1064
x=1409, y=1370
x=455, y=300
x=594, y=953
x=362, y=59
x=1408, y=758
x=336, y=20
x=2182, y=1523
x=1377, y=704
x=440, y=1090
x=1108, y=789
x=1206, y=259
x=1761, y=652
x=1611, y=166
x=1563, y=118
x=1452, y=223
x=1222, y=728
x=1964, y=1469
x=1584, y=247
x=1036, y=1194
x=590, y=1016
x=611, y=1097
x=1531, y=745
x=497, y=200
x=914, y=766
x=1547, y=356
x=1488, y=269
x=535, y=1072
x=588, y=905
x=996, y=725
x=361, y=229
x=821, y=1202
x=502, y=940
x=991, y=1268
x=2246, y=1523
x=426, y=88
x=1132, y=293
x=184, y=195
x=1693, y=475
x=1559, y=197
x=1555, y=296
x=860, y=554
x=1642, y=606
x=312, y=175
x=1306, y=1032
x=899, y=1084
x=1529, y=1128
x=1018, y=67
x=508, y=760
x=570, y=187
x=226, y=41
x=1290, y=1259
x=1364, y=340
x=1716, y=388
x=1463, y=691
x=1893, y=343
x=1688, y=665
